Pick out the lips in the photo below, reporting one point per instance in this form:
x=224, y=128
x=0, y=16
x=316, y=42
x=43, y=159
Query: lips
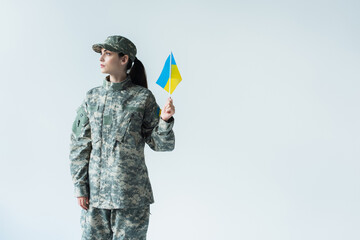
x=102, y=65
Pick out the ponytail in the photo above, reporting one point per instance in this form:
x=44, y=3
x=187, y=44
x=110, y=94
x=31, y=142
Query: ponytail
x=137, y=72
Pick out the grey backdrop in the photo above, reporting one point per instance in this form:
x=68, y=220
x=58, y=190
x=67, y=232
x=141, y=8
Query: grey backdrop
x=266, y=124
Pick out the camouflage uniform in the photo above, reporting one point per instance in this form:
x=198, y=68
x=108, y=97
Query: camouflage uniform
x=107, y=153
x=122, y=223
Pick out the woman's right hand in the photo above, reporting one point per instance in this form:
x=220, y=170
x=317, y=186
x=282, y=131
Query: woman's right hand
x=83, y=202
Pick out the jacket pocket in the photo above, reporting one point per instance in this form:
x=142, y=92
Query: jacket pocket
x=121, y=133
x=80, y=122
x=93, y=108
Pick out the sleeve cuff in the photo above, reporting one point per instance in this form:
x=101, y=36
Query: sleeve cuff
x=81, y=191
x=166, y=125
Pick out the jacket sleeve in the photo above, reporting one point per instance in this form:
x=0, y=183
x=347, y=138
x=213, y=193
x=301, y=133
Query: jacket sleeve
x=80, y=149
x=158, y=133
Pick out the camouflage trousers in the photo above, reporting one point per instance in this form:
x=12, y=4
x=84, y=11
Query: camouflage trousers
x=115, y=224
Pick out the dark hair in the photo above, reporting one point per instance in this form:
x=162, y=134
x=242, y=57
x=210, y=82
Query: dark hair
x=137, y=72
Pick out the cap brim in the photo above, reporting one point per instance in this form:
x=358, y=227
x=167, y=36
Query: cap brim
x=97, y=47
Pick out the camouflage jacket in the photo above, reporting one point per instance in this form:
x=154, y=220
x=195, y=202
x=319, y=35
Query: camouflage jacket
x=107, y=144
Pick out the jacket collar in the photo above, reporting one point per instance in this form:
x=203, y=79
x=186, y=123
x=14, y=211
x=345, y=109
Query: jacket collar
x=108, y=86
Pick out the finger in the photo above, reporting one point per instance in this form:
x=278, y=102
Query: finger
x=83, y=205
x=86, y=203
x=79, y=201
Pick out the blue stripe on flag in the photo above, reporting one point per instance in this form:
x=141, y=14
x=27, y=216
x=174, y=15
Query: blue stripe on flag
x=172, y=59
x=164, y=76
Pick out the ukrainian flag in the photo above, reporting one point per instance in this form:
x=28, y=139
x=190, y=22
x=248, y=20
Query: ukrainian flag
x=167, y=82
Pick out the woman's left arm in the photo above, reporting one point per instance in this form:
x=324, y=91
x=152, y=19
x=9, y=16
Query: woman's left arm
x=157, y=130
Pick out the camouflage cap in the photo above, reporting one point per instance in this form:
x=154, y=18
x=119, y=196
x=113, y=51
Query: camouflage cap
x=117, y=44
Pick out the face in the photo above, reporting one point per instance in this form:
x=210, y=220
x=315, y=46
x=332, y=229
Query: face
x=111, y=63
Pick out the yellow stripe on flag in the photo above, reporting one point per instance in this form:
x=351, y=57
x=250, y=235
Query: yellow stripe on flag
x=175, y=79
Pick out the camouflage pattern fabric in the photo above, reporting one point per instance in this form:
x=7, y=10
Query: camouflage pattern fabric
x=118, y=44
x=115, y=224
x=108, y=138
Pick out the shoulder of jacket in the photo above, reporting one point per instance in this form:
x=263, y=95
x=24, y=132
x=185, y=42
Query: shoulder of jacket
x=142, y=90
x=94, y=90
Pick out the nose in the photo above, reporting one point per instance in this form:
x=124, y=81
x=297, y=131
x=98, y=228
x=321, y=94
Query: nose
x=101, y=58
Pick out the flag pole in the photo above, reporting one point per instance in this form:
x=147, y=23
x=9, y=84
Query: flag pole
x=170, y=76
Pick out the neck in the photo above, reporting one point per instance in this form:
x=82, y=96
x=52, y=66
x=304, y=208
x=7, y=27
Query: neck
x=118, y=78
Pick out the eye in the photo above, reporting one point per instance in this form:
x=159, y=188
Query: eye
x=108, y=53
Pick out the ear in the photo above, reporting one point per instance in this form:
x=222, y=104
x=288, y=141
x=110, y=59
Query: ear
x=124, y=60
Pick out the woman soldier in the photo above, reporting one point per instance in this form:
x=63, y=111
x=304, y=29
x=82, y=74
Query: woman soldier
x=108, y=137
